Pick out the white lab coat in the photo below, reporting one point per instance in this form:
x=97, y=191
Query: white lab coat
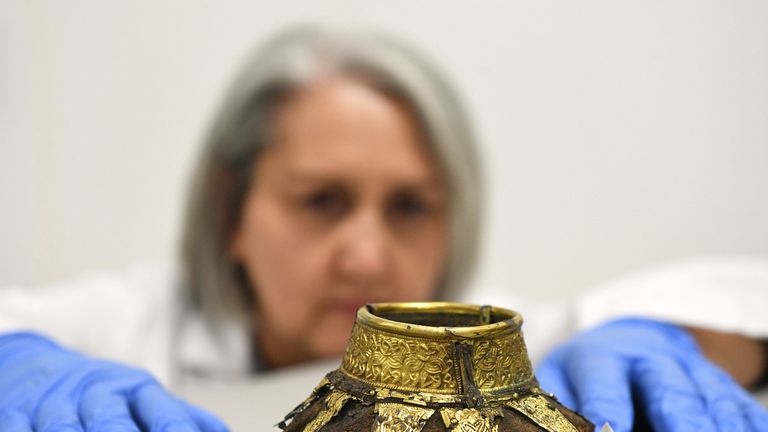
x=139, y=317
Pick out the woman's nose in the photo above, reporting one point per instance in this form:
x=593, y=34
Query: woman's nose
x=365, y=251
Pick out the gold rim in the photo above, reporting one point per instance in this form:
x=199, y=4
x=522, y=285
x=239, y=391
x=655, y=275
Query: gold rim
x=510, y=321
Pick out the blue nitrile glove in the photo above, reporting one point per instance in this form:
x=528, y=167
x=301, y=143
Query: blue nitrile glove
x=598, y=372
x=46, y=388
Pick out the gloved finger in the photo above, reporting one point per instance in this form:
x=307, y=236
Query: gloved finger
x=672, y=400
x=57, y=413
x=206, y=421
x=756, y=414
x=552, y=378
x=102, y=409
x=14, y=420
x=720, y=394
x=57, y=410
x=159, y=411
x=602, y=388
x=733, y=408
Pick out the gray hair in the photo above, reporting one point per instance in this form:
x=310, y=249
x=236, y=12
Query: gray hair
x=241, y=130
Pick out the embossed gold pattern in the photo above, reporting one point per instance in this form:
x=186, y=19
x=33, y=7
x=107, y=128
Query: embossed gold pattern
x=399, y=362
x=470, y=420
x=501, y=363
x=543, y=413
x=398, y=417
x=333, y=404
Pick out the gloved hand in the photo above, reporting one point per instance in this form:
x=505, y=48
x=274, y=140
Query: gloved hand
x=45, y=388
x=599, y=372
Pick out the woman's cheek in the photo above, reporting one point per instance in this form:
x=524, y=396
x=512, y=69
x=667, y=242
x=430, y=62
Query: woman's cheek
x=329, y=335
x=283, y=287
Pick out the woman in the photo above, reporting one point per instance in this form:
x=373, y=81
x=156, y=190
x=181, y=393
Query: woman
x=336, y=170
x=339, y=171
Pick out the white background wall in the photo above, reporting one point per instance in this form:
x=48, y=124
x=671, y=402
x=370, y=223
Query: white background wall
x=616, y=134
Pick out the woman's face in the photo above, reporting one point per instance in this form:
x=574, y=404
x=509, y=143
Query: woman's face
x=346, y=208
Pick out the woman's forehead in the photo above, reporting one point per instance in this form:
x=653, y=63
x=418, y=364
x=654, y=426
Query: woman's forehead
x=299, y=178
x=342, y=126
x=292, y=169
x=341, y=106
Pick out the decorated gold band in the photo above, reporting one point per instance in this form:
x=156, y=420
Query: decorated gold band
x=380, y=355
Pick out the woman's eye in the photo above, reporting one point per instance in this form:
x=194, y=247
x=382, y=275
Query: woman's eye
x=409, y=206
x=324, y=201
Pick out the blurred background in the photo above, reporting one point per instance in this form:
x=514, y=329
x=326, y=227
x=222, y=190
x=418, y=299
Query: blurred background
x=615, y=134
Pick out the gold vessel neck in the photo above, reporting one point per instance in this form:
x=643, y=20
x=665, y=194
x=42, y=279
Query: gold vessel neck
x=439, y=349
x=440, y=320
